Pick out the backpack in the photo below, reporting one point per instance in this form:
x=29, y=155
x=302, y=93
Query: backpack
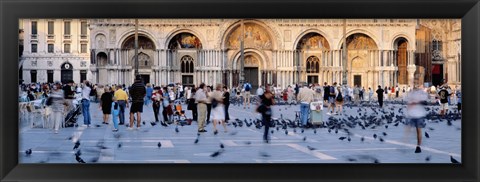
x=248, y=87
x=332, y=90
x=339, y=97
x=92, y=92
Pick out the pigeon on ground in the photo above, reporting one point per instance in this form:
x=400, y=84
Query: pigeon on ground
x=248, y=142
x=264, y=154
x=427, y=135
x=217, y=153
x=311, y=148
x=381, y=139
x=196, y=141
x=342, y=138
x=77, y=144
x=454, y=161
x=362, y=139
x=286, y=132
x=384, y=134
x=79, y=159
x=98, y=126
x=159, y=144
x=176, y=129
x=78, y=153
x=221, y=145
x=349, y=139
x=94, y=160
x=153, y=123
x=304, y=138
x=428, y=158
x=119, y=145
x=351, y=159
x=315, y=131
x=28, y=152
x=375, y=136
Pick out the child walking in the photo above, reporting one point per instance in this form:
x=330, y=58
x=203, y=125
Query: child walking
x=115, y=113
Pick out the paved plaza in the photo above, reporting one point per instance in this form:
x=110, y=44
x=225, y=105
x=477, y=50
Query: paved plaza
x=240, y=144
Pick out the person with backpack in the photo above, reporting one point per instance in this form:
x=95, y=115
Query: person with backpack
x=246, y=99
x=331, y=98
x=443, y=95
x=339, y=100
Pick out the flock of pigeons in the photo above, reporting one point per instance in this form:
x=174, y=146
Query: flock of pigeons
x=364, y=119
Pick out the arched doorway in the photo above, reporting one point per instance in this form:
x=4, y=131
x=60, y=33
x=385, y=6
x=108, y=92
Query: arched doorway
x=359, y=47
x=401, y=60
x=310, y=48
x=187, y=69
x=252, y=67
x=146, y=50
x=102, y=61
x=66, y=73
x=313, y=69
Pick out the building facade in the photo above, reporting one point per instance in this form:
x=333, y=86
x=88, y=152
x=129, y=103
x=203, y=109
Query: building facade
x=55, y=50
x=384, y=52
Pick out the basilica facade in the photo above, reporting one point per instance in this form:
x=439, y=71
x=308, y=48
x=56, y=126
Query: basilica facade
x=384, y=52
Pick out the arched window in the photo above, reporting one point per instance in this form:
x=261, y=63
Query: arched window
x=187, y=64
x=313, y=64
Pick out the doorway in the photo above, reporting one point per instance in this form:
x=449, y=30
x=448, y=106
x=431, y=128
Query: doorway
x=312, y=79
x=251, y=75
x=357, y=80
x=145, y=78
x=187, y=80
x=437, y=74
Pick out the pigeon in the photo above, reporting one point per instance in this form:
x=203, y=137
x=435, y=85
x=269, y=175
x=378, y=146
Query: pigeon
x=362, y=139
x=98, y=126
x=454, y=161
x=264, y=154
x=286, y=132
x=311, y=148
x=342, y=138
x=315, y=131
x=349, y=139
x=336, y=130
x=304, y=138
x=119, y=145
x=221, y=145
x=143, y=122
x=384, y=134
x=428, y=158
x=216, y=154
x=28, y=152
x=77, y=144
x=248, y=142
x=386, y=126
x=196, y=141
x=79, y=160
x=294, y=130
x=233, y=133
x=351, y=159
x=159, y=144
x=381, y=139
x=271, y=131
x=176, y=129
x=375, y=136
x=153, y=123
x=396, y=124
x=427, y=135
x=78, y=153
x=329, y=130
x=303, y=130
x=70, y=138
x=95, y=159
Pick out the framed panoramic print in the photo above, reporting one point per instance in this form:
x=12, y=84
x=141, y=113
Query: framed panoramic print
x=239, y=90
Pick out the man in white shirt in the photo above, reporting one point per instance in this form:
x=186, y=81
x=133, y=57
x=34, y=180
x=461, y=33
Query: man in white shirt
x=260, y=91
x=201, y=100
x=416, y=113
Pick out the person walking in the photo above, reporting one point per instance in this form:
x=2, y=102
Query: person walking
x=209, y=104
x=137, y=92
x=122, y=100
x=356, y=94
x=266, y=101
x=370, y=94
x=380, y=92
x=459, y=100
x=339, y=100
x=305, y=97
x=397, y=91
x=106, y=104
x=156, y=97
x=226, y=102
x=192, y=105
x=218, y=109
x=201, y=100
x=246, y=94
x=86, y=89
x=331, y=98
x=416, y=113
x=69, y=94
x=165, y=104
x=57, y=104
x=149, y=94
x=443, y=96
x=115, y=108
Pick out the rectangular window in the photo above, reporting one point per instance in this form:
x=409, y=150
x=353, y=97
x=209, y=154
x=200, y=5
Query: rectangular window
x=83, y=75
x=83, y=30
x=66, y=48
x=83, y=48
x=50, y=76
x=67, y=28
x=50, y=28
x=34, y=28
x=34, y=48
x=33, y=76
x=50, y=48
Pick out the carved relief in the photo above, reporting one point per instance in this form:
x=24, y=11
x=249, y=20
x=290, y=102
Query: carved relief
x=255, y=36
x=50, y=63
x=185, y=41
x=83, y=64
x=33, y=63
x=250, y=61
x=100, y=40
x=112, y=36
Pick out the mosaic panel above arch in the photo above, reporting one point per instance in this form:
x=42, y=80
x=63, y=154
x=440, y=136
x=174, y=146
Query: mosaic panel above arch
x=143, y=43
x=255, y=36
x=185, y=41
x=360, y=42
x=313, y=41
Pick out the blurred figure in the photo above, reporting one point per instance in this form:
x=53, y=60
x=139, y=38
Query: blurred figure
x=459, y=100
x=331, y=98
x=156, y=97
x=380, y=94
x=370, y=94
x=149, y=94
x=57, y=105
x=218, y=112
x=416, y=113
x=226, y=102
x=339, y=100
x=266, y=101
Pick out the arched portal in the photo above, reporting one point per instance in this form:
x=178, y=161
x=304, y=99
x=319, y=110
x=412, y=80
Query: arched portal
x=359, y=47
x=401, y=46
x=146, y=54
x=310, y=48
x=187, y=70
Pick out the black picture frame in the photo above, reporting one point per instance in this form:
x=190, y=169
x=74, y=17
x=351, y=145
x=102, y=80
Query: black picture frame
x=11, y=11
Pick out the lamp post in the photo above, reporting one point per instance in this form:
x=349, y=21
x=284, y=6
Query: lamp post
x=136, y=47
x=344, y=54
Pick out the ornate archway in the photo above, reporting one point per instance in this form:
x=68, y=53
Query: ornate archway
x=359, y=46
